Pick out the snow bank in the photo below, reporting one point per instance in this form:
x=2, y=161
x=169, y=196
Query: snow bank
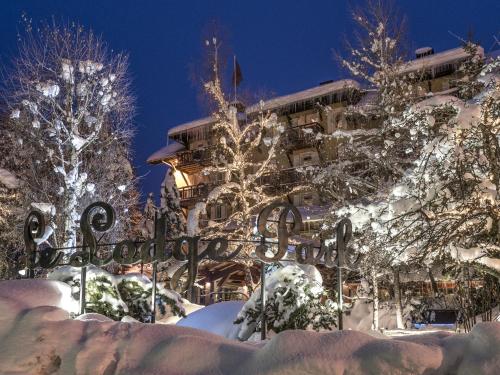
x=42, y=340
x=28, y=294
x=217, y=318
x=360, y=317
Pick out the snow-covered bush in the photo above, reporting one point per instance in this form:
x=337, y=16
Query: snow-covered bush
x=103, y=298
x=117, y=296
x=295, y=299
x=137, y=296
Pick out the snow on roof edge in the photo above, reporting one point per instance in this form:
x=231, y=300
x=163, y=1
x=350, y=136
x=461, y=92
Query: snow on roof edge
x=439, y=58
x=190, y=125
x=305, y=94
x=170, y=150
x=275, y=102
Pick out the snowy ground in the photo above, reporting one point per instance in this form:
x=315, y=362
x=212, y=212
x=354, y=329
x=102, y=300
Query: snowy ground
x=37, y=337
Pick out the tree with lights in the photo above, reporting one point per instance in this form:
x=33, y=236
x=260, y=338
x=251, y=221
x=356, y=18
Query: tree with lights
x=243, y=154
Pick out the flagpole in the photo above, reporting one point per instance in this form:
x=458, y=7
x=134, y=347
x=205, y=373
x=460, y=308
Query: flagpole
x=234, y=75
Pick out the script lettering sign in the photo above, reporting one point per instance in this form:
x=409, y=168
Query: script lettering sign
x=100, y=217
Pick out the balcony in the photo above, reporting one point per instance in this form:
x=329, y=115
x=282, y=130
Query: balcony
x=282, y=180
x=192, y=194
x=302, y=136
x=192, y=161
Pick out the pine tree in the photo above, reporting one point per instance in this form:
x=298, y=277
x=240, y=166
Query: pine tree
x=171, y=207
x=295, y=299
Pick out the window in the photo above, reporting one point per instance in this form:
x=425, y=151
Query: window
x=443, y=70
x=308, y=200
x=312, y=117
x=218, y=212
x=307, y=159
x=218, y=177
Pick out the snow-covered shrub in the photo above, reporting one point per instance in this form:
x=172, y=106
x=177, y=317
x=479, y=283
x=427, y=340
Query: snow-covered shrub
x=137, y=296
x=117, y=296
x=295, y=299
x=102, y=297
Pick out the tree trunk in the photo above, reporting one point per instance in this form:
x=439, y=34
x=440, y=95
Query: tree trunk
x=375, y=325
x=397, y=297
x=71, y=203
x=433, y=283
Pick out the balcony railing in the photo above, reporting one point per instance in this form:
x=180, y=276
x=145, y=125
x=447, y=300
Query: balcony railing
x=193, y=158
x=302, y=136
x=282, y=180
x=193, y=193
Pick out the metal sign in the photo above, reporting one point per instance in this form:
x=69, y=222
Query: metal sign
x=100, y=217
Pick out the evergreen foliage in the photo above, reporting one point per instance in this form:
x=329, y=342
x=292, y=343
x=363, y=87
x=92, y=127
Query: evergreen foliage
x=295, y=300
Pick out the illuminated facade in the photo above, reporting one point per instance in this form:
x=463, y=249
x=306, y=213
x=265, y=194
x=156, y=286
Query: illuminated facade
x=188, y=147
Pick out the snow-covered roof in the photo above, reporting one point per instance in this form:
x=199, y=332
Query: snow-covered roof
x=190, y=125
x=445, y=57
x=165, y=152
x=305, y=94
x=275, y=103
x=8, y=179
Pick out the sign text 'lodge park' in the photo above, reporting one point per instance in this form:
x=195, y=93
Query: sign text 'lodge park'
x=100, y=217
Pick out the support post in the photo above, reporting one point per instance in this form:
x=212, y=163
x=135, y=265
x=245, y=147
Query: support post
x=155, y=265
x=153, y=294
x=263, y=300
x=344, y=230
x=340, y=298
x=83, y=286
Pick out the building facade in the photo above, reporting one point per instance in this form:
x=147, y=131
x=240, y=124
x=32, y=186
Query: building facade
x=188, y=146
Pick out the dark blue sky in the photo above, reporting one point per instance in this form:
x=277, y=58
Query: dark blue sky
x=282, y=46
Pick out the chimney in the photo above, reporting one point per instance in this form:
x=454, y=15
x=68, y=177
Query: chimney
x=326, y=82
x=424, y=51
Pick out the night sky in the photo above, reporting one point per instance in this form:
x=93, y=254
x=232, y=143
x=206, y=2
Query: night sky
x=282, y=46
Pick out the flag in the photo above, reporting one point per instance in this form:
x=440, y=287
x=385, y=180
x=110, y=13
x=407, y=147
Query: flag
x=237, y=76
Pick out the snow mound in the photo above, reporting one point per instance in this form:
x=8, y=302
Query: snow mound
x=217, y=318
x=31, y=293
x=40, y=339
x=93, y=316
x=360, y=317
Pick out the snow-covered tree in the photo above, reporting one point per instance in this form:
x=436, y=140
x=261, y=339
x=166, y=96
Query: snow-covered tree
x=9, y=244
x=171, y=207
x=450, y=198
x=445, y=210
x=295, y=299
x=70, y=110
x=468, y=85
x=372, y=153
x=376, y=54
x=366, y=165
x=243, y=154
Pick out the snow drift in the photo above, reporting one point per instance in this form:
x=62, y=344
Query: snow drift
x=37, y=337
x=217, y=318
